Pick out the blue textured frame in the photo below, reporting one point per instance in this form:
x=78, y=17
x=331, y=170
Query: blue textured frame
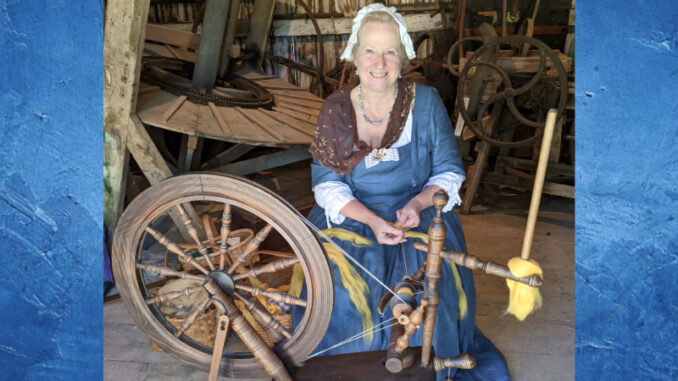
x=627, y=190
x=51, y=134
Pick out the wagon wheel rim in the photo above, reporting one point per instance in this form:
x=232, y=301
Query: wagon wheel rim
x=293, y=348
x=509, y=93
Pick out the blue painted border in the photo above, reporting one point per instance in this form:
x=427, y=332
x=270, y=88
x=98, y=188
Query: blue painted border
x=51, y=190
x=626, y=190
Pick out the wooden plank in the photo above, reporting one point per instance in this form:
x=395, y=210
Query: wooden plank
x=165, y=35
x=302, y=109
x=297, y=94
x=145, y=89
x=185, y=119
x=208, y=126
x=257, y=118
x=528, y=64
x=551, y=188
x=297, y=115
x=305, y=128
x=123, y=45
x=173, y=108
x=554, y=169
x=182, y=53
x=278, y=84
x=417, y=22
x=299, y=102
x=220, y=119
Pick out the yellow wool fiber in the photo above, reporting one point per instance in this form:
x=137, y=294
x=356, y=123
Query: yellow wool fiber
x=462, y=302
x=523, y=299
x=297, y=281
x=356, y=287
x=347, y=235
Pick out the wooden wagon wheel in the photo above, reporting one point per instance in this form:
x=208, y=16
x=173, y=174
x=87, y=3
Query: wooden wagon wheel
x=139, y=227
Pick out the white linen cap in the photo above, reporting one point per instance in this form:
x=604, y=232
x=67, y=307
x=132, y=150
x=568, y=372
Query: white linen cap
x=404, y=37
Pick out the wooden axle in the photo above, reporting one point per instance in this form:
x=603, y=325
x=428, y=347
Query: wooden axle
x=475, y=263
x=465, y=361
x=256, y=345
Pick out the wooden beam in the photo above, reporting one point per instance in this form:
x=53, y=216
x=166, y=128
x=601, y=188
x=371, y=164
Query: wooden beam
x=123, y=43
x=211, y=40
x=155, y=169
x=260, y=25
x=172, y=36
x=264, y=162
x=227, y=156
x=555, y=189
x=330, y=26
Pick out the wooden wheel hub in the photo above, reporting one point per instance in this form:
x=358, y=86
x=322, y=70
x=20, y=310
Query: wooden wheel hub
x=225, y=282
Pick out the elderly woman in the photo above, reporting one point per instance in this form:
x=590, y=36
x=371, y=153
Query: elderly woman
x=383, y=147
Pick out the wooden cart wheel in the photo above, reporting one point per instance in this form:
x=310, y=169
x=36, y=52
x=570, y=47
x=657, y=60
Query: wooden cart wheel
x=141, y=225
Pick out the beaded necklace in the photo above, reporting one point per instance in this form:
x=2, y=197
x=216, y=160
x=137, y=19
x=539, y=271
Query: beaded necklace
x=362, y=107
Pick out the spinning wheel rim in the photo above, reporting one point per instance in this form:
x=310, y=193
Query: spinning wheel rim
x=131, y=234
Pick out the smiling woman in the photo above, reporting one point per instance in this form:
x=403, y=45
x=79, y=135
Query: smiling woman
x=383, y=147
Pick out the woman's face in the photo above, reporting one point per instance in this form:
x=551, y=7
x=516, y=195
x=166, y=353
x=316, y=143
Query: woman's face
x=378, y=57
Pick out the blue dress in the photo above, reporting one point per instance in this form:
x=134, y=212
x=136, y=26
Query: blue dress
x=385, y=188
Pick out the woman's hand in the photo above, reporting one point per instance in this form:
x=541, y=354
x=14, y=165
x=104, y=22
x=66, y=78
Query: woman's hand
x=387, y=234
x=408, y=216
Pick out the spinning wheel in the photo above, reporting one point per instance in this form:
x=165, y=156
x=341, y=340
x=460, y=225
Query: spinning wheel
x=509, y=93
x=144, y=223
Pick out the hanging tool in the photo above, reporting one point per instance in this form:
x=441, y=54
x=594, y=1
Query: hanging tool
x=524, y=299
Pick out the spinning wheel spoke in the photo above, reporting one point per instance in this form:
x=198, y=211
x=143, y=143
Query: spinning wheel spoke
x=252, y=246
x=173, y=247
x=271, y=267
x=272, y=327
x=162, y=298
x=193, y=232
x=225, y=231
x=280, y=297
x=197, y=311
x=166, y=271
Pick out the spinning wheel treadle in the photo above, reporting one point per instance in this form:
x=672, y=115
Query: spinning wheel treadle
x=140, y=226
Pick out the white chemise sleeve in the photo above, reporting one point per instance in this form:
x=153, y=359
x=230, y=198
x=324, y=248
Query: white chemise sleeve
x=450, y=182
x=333, y=196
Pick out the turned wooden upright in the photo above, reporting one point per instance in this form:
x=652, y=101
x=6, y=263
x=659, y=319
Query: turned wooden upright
x=436, y=239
